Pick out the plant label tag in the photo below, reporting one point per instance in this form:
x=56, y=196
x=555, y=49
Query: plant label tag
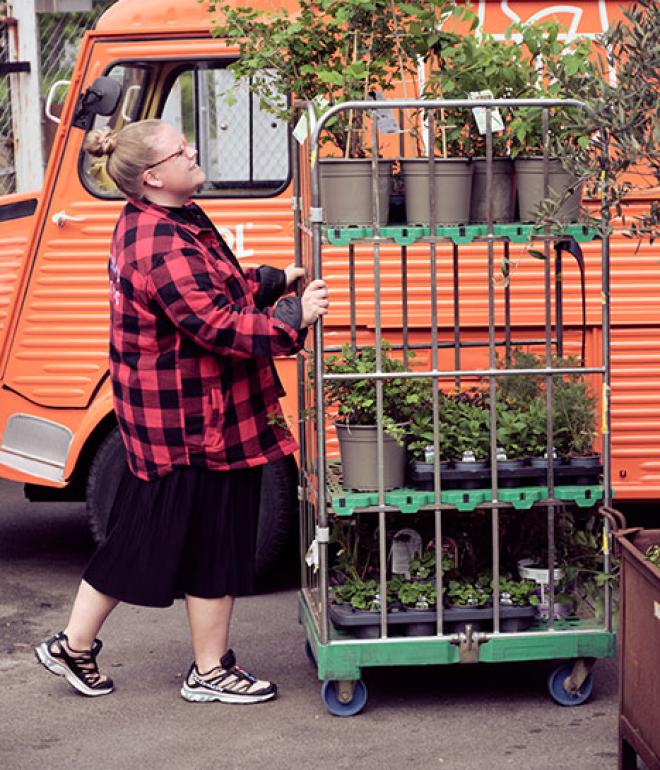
x=302, y=129
x=387, y=123
x=479, y=113
x=312, y=555
x=406, y=545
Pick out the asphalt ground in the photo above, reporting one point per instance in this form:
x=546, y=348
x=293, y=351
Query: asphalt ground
x=453, y=718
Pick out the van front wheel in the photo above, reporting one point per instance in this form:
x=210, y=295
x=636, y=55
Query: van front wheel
x=279, y=485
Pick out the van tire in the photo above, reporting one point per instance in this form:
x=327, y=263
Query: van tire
x=279, y=500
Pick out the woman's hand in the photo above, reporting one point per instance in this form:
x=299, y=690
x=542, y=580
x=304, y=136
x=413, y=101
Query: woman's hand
x=293, y=274
x=314, y=302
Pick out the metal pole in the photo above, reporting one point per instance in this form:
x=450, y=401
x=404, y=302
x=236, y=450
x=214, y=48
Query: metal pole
x=492, y=392
x=457, y=313
x=316, y=218
x=382, y=534
x=25, y=95
x=437, y=482
x=549, y=387
x=607, y=377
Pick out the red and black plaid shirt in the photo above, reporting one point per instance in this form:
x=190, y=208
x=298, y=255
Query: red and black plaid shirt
x=191, y=345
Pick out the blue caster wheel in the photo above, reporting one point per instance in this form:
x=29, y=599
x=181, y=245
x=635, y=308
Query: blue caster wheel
x=339, y=709
x=309, y=653
x=559, y=692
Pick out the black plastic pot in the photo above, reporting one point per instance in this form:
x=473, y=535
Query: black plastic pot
x=473, y=475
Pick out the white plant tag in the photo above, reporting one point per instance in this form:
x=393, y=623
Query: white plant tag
x=479, y=113
x=387, y=123
x=312, y=555
x=406, y=545
x=302, y=130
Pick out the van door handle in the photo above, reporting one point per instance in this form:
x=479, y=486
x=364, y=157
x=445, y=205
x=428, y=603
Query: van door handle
x=61, y=218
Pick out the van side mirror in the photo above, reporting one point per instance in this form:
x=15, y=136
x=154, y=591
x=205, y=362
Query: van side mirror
x=101, y=98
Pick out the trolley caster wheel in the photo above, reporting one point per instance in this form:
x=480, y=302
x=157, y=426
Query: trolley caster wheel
x=339, y=700
x=309, y=653
x=558, y=691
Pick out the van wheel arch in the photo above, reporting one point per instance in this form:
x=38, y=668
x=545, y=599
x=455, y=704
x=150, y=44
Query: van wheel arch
x=279, y=500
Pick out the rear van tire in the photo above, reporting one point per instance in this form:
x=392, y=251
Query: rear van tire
x=279, y=499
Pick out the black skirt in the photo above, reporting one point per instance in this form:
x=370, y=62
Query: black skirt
x=193, y=531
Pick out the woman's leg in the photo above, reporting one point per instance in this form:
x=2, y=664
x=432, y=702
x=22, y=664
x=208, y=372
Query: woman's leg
x=209, y=626
x=89, y=611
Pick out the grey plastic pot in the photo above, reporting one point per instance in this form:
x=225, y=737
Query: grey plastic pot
x=358, y=445
x=453, y=190
x=503, y=192
x=346, y=191
x=529, y=183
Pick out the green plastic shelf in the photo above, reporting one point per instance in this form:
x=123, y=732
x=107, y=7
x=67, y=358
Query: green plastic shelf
x=405, y=235
x=411, y=500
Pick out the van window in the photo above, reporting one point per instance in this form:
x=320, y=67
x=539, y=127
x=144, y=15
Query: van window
x=243, y=149
x=133, y=79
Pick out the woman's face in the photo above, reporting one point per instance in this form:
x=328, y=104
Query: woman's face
x=176, y=172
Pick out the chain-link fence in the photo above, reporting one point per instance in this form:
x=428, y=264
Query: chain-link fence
x=59, y=37
x=7, y=176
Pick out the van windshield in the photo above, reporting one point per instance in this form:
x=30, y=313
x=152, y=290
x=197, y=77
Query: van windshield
x=243, y=150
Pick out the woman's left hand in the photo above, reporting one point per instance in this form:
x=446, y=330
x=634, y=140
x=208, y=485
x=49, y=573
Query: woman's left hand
x=293, y=274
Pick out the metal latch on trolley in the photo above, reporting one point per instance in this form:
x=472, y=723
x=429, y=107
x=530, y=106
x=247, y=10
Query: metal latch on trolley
x=468, y=644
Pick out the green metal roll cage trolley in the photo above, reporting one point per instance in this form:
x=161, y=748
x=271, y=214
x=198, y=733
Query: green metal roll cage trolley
x=338, y=656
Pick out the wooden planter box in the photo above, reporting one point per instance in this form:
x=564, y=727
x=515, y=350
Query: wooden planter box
x=639, y=651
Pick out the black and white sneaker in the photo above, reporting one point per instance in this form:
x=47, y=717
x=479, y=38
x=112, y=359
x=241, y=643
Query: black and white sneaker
x=77, y=666
x=227, y=683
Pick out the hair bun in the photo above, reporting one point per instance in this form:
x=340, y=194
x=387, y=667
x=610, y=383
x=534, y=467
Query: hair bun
x=100, y=142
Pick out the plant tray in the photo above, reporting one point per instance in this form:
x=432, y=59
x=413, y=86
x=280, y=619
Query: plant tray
x=405, y=235
x=412, y=500
x=420, y=476
x=407, y=622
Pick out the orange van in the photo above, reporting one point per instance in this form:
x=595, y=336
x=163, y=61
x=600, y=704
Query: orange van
x=57, y=428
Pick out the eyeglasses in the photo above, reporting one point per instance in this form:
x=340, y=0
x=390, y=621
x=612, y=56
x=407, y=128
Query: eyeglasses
x=183, y=150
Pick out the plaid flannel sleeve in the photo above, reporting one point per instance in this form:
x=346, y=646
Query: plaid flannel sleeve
x=197, y=302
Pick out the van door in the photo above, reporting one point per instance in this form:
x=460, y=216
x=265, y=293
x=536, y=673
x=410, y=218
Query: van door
x=60, y=348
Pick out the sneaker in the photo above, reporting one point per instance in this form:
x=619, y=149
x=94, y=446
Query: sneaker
x=227, y=683
x=77, y=666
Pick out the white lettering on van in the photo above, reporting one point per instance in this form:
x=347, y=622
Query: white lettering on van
x=236, y=240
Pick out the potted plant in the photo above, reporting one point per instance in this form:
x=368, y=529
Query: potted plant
x=362, y=595
x=546, y=62
x=619, y=164
x=464, y=438
x=452, y=169
x=353, y=403
x=324, y=52
x=483, y=65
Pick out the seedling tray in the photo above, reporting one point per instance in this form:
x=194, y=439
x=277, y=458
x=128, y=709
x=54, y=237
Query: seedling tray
x=412, y=500
x=411, y=622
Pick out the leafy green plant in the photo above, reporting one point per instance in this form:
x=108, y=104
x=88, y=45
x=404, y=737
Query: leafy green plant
x=621, y=119
x=574, y=413
x=652, y=553
x=360, y=594
x=418, y=595
x=330, y=51
x=545, y=61
x=353, y=402
x=470, y=63
x=465, y=594
x=463, y=425
x=423, y=567
x=518, y=593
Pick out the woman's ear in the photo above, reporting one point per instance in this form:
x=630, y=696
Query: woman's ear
x=151, y=180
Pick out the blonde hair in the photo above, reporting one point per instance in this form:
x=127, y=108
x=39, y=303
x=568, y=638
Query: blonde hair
x=129, y=151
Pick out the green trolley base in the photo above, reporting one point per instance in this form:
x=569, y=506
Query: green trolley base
x=345, y=656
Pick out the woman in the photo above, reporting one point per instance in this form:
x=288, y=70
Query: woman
x=196, y=397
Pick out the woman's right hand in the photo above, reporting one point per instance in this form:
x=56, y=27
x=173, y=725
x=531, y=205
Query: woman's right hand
x=314, y=302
